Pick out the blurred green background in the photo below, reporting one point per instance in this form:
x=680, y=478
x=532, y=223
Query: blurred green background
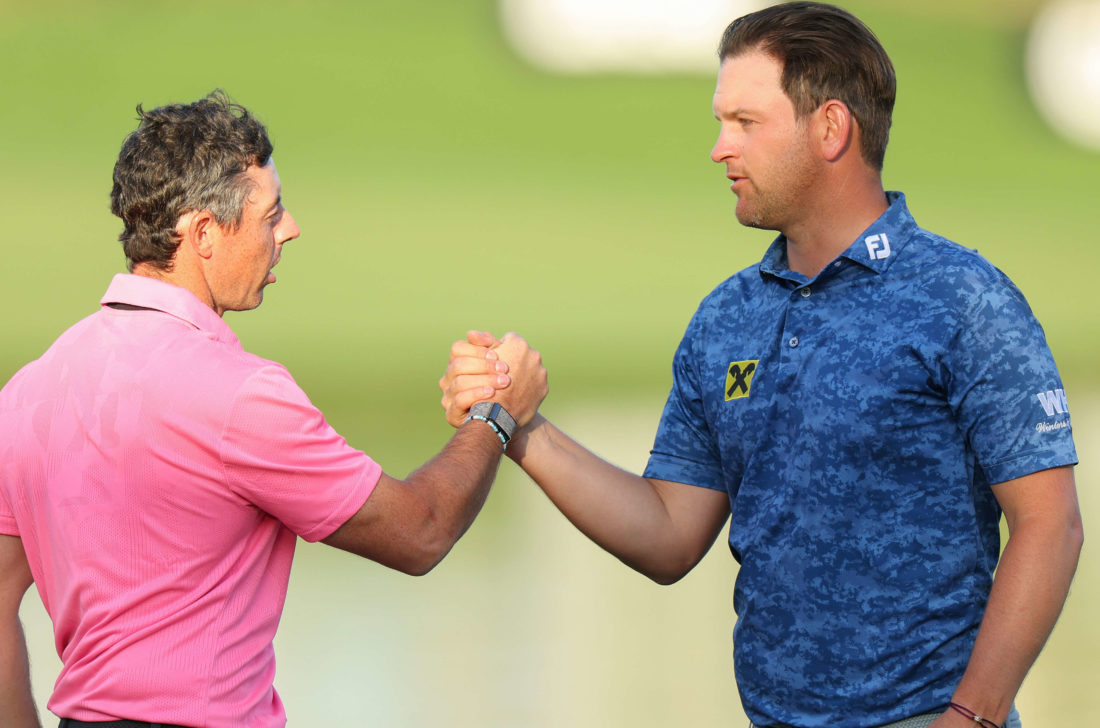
x=441, y=184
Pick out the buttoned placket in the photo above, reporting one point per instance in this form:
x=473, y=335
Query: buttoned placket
x=798, y=329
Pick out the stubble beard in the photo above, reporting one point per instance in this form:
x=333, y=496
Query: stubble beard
x=762, y=211
x=774, y=207
x=751, y=216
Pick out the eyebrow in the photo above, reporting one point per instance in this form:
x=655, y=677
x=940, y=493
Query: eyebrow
x=736, y=113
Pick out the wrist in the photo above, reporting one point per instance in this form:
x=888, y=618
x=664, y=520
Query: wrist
x=497, y=418
x=966, y=714
x=521, y=441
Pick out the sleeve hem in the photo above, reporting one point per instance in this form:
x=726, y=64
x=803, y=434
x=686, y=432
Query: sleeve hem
x=351, y=504
x=686, y=473
x=1027, y=464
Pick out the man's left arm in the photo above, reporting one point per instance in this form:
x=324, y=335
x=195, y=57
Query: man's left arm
x=16, y=704
x=1029, y=589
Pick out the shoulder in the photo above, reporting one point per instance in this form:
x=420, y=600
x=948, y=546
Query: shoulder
x=68, y=344
x=942, y=270
x=960, y=302
x=930, y=262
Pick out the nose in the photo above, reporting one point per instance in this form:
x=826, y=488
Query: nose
x=288, y=227
x=724, y=146
x=715, y=154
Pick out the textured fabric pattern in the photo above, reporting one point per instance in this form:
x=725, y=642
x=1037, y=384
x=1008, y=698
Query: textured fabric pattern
x=917, y=721
x=925, y=720
x=856, y=421
x=158, y=476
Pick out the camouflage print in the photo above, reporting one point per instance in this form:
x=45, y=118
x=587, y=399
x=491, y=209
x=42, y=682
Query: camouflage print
x=857, y=420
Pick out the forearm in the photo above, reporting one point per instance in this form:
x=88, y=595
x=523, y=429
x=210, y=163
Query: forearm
x=411, y=524
x=17, y=708
x=456, y=482
x=1029, y=589
x=625, y=514
x=658, y=528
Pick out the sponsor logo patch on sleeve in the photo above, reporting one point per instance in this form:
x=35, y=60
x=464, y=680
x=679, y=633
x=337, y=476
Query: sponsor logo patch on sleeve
x=1054, y=403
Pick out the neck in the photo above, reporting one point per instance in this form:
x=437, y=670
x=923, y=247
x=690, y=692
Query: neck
x=831, y=222
x=179, y=274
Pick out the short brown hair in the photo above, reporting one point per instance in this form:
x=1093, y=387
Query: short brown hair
x=183, y=158
x=826, y=53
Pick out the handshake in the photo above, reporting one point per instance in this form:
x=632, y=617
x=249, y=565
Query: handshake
x=483, y=368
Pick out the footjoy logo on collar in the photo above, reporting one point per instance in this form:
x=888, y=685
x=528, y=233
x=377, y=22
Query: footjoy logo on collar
x=878, y=246
x=739, y=379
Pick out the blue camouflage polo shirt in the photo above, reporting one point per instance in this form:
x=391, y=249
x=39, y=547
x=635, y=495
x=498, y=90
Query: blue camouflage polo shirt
x=857, y=420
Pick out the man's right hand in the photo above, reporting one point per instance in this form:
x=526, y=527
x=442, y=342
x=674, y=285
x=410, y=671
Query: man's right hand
x=484, y=368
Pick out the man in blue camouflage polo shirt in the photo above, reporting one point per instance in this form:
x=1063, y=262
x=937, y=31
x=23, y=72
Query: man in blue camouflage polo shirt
x=866, y=402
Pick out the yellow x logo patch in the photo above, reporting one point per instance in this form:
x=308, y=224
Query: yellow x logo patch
x=739, y=379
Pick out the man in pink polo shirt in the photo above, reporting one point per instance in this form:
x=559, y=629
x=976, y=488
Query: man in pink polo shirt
x=154, y=476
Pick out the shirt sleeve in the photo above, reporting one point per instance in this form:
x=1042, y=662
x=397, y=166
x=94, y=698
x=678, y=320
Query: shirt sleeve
x=8, y=526
x=7, y=518
x=1004, y=386
x=684, y=450
x=280, y=454
x=12, y=421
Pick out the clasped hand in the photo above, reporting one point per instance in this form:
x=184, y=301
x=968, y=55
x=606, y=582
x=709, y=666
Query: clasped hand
x=506, y=370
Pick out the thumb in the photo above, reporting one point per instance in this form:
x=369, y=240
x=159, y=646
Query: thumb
x=482, y=338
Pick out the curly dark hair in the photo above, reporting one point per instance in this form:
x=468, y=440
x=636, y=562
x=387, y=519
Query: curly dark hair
x=826, y=53
x=183, y=158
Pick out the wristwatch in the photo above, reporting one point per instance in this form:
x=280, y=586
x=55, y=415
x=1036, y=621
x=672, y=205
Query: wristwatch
x=496, y=417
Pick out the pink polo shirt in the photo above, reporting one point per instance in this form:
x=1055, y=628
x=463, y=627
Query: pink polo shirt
x=158, y=476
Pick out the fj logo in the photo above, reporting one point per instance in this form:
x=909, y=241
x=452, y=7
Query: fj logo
x=1054, y=402
x=739, y=379
x=878, y=246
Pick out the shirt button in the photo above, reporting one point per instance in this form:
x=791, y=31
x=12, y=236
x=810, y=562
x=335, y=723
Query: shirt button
x=806, y=292
x=793, y=342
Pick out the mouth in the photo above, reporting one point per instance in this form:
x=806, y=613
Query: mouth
x=271, y=271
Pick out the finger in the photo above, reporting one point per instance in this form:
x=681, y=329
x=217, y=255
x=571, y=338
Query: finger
x=485, y=384
x=463, y=401
x=458, y=406
x=466, y=349
x=456, y=412
x=474, y=365
x=481, y=338
x=456, y=403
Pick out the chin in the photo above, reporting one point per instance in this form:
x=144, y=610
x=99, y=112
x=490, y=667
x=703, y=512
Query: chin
x=754, y=219
x=249, y=304
x=749, y=219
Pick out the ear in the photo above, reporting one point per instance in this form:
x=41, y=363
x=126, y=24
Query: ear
x=838, y=129
x=199, y=231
